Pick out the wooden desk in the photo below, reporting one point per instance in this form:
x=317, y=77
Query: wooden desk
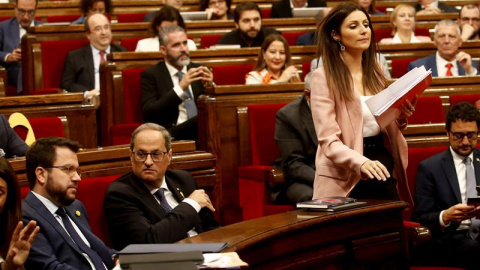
x=82, y=119
x=370, y=237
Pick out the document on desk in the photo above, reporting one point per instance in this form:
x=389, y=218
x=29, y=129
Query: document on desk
x=228, y=260
x=158, y=248
x=385, y=105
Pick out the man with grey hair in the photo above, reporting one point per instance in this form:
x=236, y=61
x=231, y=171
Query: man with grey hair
x=448, y=60
x=469, y=22
x=152, y=204
x=297, y=141
x=171, y=88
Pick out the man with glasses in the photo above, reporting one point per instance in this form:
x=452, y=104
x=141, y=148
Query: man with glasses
x=65, y=240
x=448, y=61
x=443, y=185
x=469, y=22
x=152, y=204
x=11, y=32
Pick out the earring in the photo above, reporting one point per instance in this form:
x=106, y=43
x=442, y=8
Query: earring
x=342, y=48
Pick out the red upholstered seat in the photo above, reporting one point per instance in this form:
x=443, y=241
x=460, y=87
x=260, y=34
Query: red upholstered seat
x=63, y=18
x=231, y=74
x=130, y=43
x=454, y=99
x=254, y=194
x=381, y=9
x=422, y=31
x=400, y=66
x=428, y=110
x=54, y=53
x=4, y=18
x=132, y=95
x=305, y=69
x=292, y=37
x=265, y=13
x=209, y=40
x=130, y=17
x=42, y=127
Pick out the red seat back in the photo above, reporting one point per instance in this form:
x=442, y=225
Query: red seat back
x=292, y=37
x=231, y=74
x=42, y=127
x=132, y=94
x=422, y=31
x=262, y=133
x=63, y=18
x=428, y=110
x=209, y=40
x=265, y=13
x=400, y=66
x=130, y=43
x=54, y=53
x=306, y=66
x=130, y=17
x=382, y=33
x=454, y=99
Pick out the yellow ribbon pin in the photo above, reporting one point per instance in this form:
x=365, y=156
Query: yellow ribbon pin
x=181, y=193
x=77, y=213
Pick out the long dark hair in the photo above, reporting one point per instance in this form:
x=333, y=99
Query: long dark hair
x=260, y=65
x=337, y=73
x=12, y=211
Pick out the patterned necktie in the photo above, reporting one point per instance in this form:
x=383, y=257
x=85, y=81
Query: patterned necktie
x=472, y=192
x=163, y=201
x=188, y=99
x=96, y=260
x=102, y=56
x=449, y=69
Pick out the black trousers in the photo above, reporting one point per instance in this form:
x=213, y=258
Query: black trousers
x=374, y=149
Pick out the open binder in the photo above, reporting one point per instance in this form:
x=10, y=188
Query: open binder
x=385, y=105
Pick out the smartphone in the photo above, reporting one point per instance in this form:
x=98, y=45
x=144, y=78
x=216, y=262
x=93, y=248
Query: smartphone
x=475, y=201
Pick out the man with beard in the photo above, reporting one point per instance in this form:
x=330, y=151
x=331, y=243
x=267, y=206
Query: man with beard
x=171, y=88
x=81, y=72
x=443, y=184
x=249, y=32
x=469, y=22
x=11, y=33
x=65, y=240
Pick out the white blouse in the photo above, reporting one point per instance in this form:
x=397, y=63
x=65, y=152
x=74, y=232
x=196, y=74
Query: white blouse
x=370, y=125
x=153, y=45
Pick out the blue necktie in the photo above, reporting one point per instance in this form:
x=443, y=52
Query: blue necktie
x=472, y=192
x=163, y=201
x=188, y=99
x=97, y=261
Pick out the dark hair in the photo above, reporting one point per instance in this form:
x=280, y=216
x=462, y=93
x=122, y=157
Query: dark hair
x=467, y=6
x=260, y=65
x=204, y=4
x=12, y=211
x=152, y=126
x=337, y=73
x=463, y=111
x=86, y=25
x=166, y=13
x=42, y=153
x=244, y=6
x=86, y=5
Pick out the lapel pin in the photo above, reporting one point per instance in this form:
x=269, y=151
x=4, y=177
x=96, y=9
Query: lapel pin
x=77, y=213
x=478, y=159
x=181, y=193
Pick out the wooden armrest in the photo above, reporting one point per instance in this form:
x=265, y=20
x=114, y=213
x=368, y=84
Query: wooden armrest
x=274, y=177
x=417, y=234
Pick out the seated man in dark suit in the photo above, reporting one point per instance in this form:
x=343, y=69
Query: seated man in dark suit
x=65, y=240
x=297, y=141
x=443, y=184
x=309, y=38
x=426, y=7
x=283, y=8
x=152, y=204
x=448, y=61
x=11, y=32
x=170, y=89
x=249, y=32
x=81, y=72
x=10, y=144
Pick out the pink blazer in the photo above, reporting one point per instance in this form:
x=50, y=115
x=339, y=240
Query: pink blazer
x=339, y=128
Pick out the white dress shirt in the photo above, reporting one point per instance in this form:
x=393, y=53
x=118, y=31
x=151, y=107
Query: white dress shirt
x=96, y=63
x=152, y=44
x=442, y=69
x=182, y=115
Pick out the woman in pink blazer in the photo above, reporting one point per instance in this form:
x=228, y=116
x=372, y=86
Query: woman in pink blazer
x=351, y=144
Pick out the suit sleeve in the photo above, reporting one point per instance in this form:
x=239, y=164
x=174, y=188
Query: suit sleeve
x=156, y=102
x=273, y=10
x=291, y=151
x=15, y=146
x=71, y=71
x=3, y=53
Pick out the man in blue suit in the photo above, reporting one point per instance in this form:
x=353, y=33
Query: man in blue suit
x=448, y=61
x=11, y=32
x=65, y=240
x=443, y=184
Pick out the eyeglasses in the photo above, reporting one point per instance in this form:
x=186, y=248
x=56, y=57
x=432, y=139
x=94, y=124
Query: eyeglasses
x=214, y=3
x=156, y=156
x=467, y=19
x=29, y=12
x=460, y=135
x=68, y=169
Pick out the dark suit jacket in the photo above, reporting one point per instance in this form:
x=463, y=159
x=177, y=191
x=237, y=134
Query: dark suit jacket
x=78, y=72
x=442, y=6
x=306, y=39
x=135, y=217
x=10, y=143
x=282, y=8
x=53, y=248
x=431, y=62
x=235, y=37
x=10, y=40
x=159, y=100
x=437, y=189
